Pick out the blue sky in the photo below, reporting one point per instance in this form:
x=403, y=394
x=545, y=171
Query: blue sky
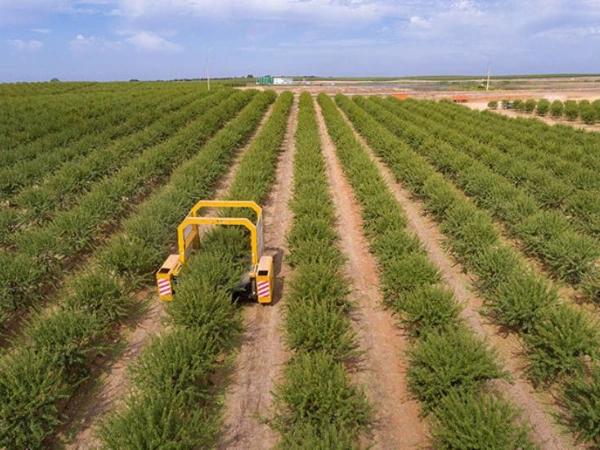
x=165, y=39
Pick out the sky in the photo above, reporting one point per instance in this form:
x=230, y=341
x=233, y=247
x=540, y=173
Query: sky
x=170, y=39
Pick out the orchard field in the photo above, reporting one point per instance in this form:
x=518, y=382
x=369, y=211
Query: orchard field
x=438, y=276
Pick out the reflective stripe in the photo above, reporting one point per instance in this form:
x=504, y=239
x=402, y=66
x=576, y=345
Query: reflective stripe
x=164, y=287
x=263, y=289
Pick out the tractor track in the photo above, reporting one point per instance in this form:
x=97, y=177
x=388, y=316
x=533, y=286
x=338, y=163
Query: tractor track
x=382, y=369
x=259, y=364
x=93, y=404
x=537, y=407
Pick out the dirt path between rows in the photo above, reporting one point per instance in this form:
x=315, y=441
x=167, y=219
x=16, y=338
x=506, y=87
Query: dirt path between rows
x=537, y=407
x=91, y=409
x=384, y=365
x=260, y=362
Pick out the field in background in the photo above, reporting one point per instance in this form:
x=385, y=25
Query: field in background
x=438, y=267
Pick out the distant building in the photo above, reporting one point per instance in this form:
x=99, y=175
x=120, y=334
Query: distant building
x=267, y=80
x=282, y=80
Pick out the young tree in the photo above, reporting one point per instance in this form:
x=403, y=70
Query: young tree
x=588, y=113
x=519, y=105
x=530, y=105
x=556, y=109
x=596, y=106
x=543, y=107
x=571, y=110
x=493, y=104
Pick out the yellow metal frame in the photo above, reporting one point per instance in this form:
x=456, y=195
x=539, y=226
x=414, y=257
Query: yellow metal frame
x=192, y=219
x=187, y=239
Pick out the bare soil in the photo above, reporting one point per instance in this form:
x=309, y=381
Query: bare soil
x=537, y=407
x=383, y=366
x=93, y=405
x=259, y=365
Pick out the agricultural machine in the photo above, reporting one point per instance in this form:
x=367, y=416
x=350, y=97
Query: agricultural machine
x=257, y=284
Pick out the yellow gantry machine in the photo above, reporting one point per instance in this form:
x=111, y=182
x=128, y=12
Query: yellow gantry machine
x=259, y=282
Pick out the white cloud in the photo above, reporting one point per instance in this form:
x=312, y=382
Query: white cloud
x=24, y=45
x=327, y=10
x=82, y=43
x=152, y=42
x=41, y=30
x=419, y=22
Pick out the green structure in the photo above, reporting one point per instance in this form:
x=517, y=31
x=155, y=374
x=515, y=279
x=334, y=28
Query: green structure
x=267, y=80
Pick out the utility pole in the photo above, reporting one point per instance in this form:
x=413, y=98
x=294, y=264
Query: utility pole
x=487, y=88
x=207, y=74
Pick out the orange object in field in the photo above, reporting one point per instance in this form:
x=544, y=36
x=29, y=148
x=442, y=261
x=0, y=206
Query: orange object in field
x=400, y=96
x=460, y=98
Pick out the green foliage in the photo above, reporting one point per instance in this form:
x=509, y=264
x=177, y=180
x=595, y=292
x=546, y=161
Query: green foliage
x=93, y=301
x=543, y=107
x=31, y=388
x=316, y=404
x=429, y=310
x=559, y=344
x=571, y=109
x=435, y=369
x=596, y=106
x=588, y=113
x=321, y=436
x=318, y=395
x=404, y=275
x=530, y=105
x=493, y=104
x=316, y=312
x=72, y=336
x=74, y=178
x=165, y=421
x=471, y=231
x=174, y=405
x=441, y=364
x=556, y=345
x=468, y=421
x=519, y=105
x=548, y=235
x=582, y=399
x=98, y=293
x=556, y=109
x=182, y=361
x=495, y=266
x=522, y=301
x=73, y=232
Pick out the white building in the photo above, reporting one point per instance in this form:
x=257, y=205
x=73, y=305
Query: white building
x=281, y=80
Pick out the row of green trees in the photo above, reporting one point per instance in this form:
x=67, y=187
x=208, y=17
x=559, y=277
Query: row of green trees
x=588, y=112
x=449, y=365
x=567, y=145
x=317, y=404
x=174, y=402
x=559, y=339
x=37, y=203
x=41, y=257
x=539, y=166
x=531, y=210
x=59, y=348
x=61, y=118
